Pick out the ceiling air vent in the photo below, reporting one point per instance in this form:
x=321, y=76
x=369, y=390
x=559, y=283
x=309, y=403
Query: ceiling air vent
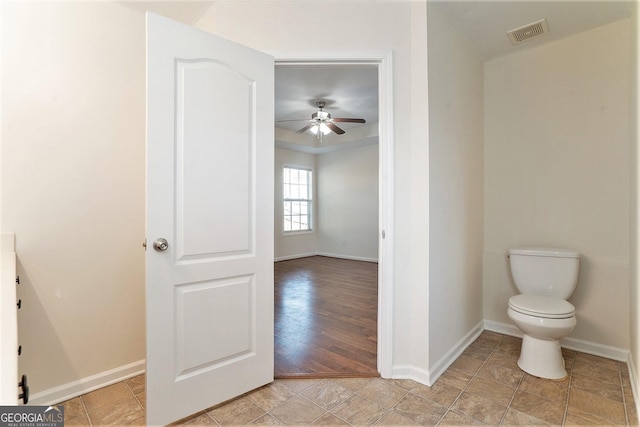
x=528, y=31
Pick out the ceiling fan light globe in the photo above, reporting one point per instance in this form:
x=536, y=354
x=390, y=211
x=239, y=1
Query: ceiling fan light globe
x=324, y=129
x=320, y=127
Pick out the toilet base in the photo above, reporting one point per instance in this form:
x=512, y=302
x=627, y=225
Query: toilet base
x=542, y=358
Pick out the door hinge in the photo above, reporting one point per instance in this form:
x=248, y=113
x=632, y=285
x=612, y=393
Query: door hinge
x=17, y=280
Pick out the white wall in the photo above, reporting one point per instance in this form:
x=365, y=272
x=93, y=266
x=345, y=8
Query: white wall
x=348, y=203
x=73, y=184
x=345, y=212
x=634, y=300
x=388, y=25
x=456, y=187
x=557, y=144
x=296, y=245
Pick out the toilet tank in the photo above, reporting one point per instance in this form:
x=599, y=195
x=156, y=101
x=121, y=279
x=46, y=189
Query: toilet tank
x=545, y=271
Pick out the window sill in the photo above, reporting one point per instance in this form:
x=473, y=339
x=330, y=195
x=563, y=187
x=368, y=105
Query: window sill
x=296, y=233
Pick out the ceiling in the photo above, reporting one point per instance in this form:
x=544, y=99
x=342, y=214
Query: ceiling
x=351, y=91
x=187, y=11
x=485, y=23
x=348, y=90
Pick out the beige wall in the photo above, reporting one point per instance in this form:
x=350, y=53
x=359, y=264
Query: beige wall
x=73, y=166
x=348, y=203
x=557, y=141
x=73, y=184
x=345, y=204
x=455, y=182
x=73, y=171
x=399, y=27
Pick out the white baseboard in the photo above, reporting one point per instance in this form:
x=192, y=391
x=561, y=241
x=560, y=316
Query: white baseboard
x=445, y=361
x=633, y=378
x=429, y=377
x=330, y=255
x=410, y=372
x=589, y=347
x=288, y=257
x=583, y=346
x=85, y=385
x=502, y=328
x=354, y=258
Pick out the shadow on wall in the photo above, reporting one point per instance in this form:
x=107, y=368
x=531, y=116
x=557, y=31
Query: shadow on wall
x=41, y=369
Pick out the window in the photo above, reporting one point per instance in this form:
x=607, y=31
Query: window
x=297, y=199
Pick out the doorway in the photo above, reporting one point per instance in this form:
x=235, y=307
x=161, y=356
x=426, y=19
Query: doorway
x=380, y=61
x=197, y=271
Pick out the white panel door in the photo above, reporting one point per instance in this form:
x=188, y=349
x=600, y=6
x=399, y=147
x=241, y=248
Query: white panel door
x=210, y=195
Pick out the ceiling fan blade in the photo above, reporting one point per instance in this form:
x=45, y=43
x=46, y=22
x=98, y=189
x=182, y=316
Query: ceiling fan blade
x=306, y=128
x=347, y=120
x=292, y=120
x=334, y=128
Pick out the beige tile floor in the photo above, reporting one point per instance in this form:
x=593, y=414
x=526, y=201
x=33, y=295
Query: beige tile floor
x=484, y=386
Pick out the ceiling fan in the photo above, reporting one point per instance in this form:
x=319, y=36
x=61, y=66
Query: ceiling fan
x=321, y=122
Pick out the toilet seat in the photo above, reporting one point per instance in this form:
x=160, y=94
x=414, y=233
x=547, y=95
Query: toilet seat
x=542, y=306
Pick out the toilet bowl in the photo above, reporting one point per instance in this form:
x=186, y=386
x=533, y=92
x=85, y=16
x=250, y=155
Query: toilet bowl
x=543, y=322
x=546, y=277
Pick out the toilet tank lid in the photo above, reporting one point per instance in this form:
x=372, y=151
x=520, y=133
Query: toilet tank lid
x=548, y=252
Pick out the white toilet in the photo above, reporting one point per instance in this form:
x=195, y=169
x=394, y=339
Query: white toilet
x=546, y=278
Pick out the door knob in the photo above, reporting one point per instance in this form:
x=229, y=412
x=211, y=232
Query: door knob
x=160, y=244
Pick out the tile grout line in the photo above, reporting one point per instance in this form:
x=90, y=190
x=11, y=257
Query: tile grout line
x=86, y=411
x=387, y=410
x=460, y=394
x=511, y=400
x=624, y=398
x=326, y=411
x=209, y=409
x=390, y=410
x=407, y=392
x=213, y=419
x=475, y=374
x=299, y=393
x=566, y=401
x=126, y=382
x=515, y=391
x=355, y=393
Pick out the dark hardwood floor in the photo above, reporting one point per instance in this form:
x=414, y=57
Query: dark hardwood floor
x=326, y=317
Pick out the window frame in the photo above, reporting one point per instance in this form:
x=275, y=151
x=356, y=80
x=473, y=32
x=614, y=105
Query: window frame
x=310, y=200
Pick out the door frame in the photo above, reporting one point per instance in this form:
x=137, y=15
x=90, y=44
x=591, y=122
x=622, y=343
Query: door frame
x=383, y=61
